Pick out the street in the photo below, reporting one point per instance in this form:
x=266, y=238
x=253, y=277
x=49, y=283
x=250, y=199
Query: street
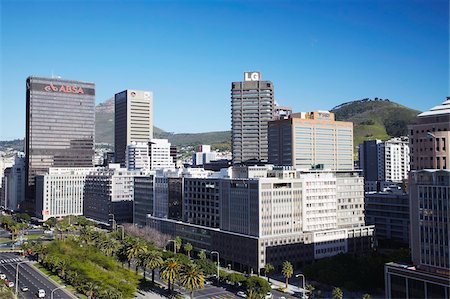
x=30, y=277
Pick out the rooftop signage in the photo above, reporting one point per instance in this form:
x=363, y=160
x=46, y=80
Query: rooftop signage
x=252, y=76
x=64, y=88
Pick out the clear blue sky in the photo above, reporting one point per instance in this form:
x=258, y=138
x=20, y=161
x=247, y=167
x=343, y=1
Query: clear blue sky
x=318, y=54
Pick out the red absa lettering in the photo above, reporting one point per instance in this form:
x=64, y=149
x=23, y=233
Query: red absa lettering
x=62, y=89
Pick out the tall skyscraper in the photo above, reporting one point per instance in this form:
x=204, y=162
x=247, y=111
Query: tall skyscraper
x=310, y=138
x=429, y=190
x=60, y=119
x=252, y=107
x=133, y=120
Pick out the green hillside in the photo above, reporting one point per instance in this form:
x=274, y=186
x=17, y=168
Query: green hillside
x=376, y=119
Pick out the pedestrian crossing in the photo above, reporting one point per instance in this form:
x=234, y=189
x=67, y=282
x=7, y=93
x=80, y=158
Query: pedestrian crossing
x=7, y=261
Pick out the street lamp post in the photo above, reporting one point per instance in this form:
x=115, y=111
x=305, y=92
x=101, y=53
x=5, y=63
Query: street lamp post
x=174, y=246
x=123, y=230
x=218, y=263
x=113, y=220
x=58, y=288
x=303, y=278
x=17, y=276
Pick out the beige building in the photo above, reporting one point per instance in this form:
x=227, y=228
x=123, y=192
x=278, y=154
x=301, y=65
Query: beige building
x=133, y=120
x=311, y=138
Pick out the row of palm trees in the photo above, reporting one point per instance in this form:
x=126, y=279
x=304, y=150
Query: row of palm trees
x=145, y=255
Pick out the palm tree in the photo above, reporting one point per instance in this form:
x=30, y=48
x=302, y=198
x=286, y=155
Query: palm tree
x=267, y=269
x=287, y=271
x=202, y=255
x=110, y=294
x=177, y=244
x=191, y=277
x=170, y=271
x=134, y=250
x=310, y=289
x=153, y=260
x=89, y=289
x=337, y=293
x=62, y=267
x=188, y=249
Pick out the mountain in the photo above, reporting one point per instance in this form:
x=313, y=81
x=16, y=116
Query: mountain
x=376, y=118
x=104, y=131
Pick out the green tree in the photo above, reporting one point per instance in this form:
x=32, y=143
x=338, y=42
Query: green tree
x=258, y=285
x=24, y=217
x=366, y=296
x=89, y=289
x=268, y=268
x=236, y=278
x=337, y=293
x=191, y=277
x=170, y=271
x=208, y=267
x=177, y=244
x=51, y=222
x=62, y=267
x=188, y=249
x=134, y=250
x=287, y=271
x=310, y=289
x=153, y=260
x=202, y=255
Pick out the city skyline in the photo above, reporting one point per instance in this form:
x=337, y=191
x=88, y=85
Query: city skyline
x=318, y=56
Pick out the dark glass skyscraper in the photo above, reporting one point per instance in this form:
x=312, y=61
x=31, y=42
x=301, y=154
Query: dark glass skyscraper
x=60, y=116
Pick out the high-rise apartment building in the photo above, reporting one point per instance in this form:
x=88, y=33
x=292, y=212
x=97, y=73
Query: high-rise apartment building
x=429, y=190
x=252, y=107
x=385, y=160
x=133, y=120
x=311, y=138
x=59, y=126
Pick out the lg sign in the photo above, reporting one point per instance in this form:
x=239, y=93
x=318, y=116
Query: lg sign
x=252, y=76
x=64, y=88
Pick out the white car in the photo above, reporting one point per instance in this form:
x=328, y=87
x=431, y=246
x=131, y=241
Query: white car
x=24, y=289
x=241, y=294
x=41, y=293
x=269, y=295
x=2, y=276
x=10, y=284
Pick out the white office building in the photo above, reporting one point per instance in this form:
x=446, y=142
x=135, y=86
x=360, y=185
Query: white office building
x=137, y=156
x=151, y=155
x=60, y=192
x=13, y=187
x=203, y=155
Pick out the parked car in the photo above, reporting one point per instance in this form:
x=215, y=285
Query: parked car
x=9, y=283
x=2, y=276
x=241, y=294
x=269, y=295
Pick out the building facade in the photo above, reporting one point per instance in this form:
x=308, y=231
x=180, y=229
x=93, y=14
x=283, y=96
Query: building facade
x=13, y=190
x=311, y=138
x=252, y=107
x=143, y=198
x=59, y=126
x=60, y=192
x=389, y=213
x=109, y=193
x=133, y=120
x=429, y=190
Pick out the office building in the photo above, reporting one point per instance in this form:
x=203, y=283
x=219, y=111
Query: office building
x=109, y=194
x=13, y=190
x=143, y=198
x=311, y=138
x=252, y=107
x=388, y=211
x=4, y=163
x=429, y=189
x=203, y=155
x=266, y=214
x=137, y=156
x=60, y=192
x=151, y=155
x=281, y=112
x=385, y=161
x=133, y=120
x=59, y=126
